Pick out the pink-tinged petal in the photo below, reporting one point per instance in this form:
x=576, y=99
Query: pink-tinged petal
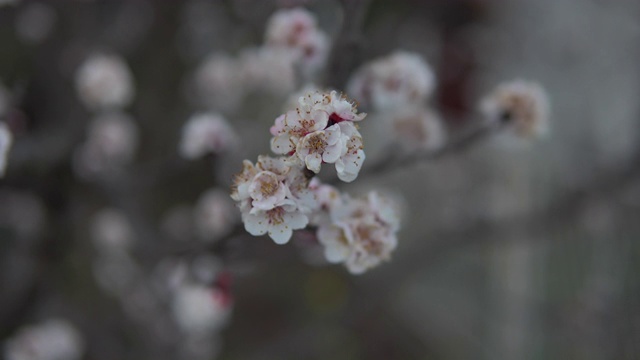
x=279, y=127
x=313, y=162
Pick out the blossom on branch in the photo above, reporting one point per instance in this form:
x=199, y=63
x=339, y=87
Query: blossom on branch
x=521, y=106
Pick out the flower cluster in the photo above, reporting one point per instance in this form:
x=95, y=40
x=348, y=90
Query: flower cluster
x=294, y=50
x=321, y=130
x=279, y=195
x=360, y=232
x=521, y=106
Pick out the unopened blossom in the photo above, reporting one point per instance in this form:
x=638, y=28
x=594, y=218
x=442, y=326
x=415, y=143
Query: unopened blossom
x=361, y=232
x=112, y=140
x=214, y=214
x=321, y=130
x=104, y=82
x=218, y=82
x=296, y=30
x=400, y=79
x=418, y=129
x=273, y=197
x=6, y=139
x=268, y=69
x=521, y=106
x=206, y=133
x=54, y=339
x=200, y=309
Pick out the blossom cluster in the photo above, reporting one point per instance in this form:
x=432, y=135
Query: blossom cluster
x=396, y=89
x=294, y=49
x=278, y=195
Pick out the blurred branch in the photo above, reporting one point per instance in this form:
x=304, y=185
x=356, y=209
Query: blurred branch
x=348, y=45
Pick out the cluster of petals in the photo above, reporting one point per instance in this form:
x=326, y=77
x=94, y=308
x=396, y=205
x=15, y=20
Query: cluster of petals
x=359, y=232
x=296, y=30
x=206, y=133
x=521, y=106
x=6, y=139
x=321, y=130
x=395, y=81
x=273, y=197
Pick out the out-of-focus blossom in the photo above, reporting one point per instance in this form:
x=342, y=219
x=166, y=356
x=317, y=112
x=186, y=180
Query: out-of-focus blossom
x=521, y=106
x=321, y=130
x=22, y=212
x=268, y=69
x=112, y=140
x=35, y=22
x=418, y=129
x=296, y=30
x=6, y=139
x=104, y=82
x=273, y=198
x=361, y=233
x=200, y=309
x=111, y=231
x=393, y=82
x=218, y=82
x=214, y=215
x=53, y=339
x=206, y=133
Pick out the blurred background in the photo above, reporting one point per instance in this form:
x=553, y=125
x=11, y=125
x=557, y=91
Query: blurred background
x=505, y=252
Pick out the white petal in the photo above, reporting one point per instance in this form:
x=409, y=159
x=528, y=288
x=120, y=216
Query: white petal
x=313, y=162
x=281, y=144
x=256, y=224
x=280, y=235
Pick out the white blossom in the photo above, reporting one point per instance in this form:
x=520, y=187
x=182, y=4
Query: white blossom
x=200, y=309
x=104, y=82
x=418, y=128
x=361, y=233
x=268, y=69
x=273, y=197
x=321, y=130
x=218, y=82
x=206, y=133
x=392, y=82
x=53, y=339
x=112, y=140
x=521, y=106
x=214, y=214
x=296, y=30
x=6, y=139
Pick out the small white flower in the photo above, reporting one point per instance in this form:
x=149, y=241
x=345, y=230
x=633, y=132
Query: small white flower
x=389, y=83
x=521, y=106
x=218, y=82
x=267, y=191
x=296, y=30
x=320, y=146
x=214, y=214
x=104, y=82
x=206, y=133
x=112, y=140
x=361, y=232
x=278, y=222
x=418, y=129
x=267, y=69
x=53, y=339
x=350, y=162
x=199, y=309
x=6, y=139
